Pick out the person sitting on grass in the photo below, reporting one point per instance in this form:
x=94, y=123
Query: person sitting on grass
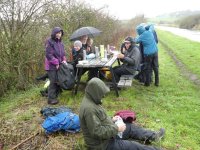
x=99, y=130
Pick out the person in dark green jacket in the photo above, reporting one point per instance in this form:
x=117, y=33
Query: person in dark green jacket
x=99, y=130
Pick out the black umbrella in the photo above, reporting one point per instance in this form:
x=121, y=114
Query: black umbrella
x=90, y=31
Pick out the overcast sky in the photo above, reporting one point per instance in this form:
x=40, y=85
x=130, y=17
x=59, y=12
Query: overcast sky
x=127, y=9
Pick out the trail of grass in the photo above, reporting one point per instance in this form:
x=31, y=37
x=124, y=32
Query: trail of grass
x=174, y=105
x=187, y=51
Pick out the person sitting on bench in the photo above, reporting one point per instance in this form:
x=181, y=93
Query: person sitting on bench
x=131, y=59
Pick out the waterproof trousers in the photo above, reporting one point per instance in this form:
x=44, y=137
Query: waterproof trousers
x=133, y=132
x=151, y=62
x=53, y=87
x=121, y=70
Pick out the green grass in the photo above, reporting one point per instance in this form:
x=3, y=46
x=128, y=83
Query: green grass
x=185, y=50
x=174, y=105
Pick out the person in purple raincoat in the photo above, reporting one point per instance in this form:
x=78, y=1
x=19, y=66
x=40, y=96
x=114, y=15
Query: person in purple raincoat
x=55, y=55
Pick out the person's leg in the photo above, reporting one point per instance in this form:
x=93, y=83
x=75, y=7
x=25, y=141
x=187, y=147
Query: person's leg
x=116, y=71
x=43, y=77
x=142, y=74
x=155, y=66
x=138, y=133
x=119, y=71
x=148, y=70
x=118, y=144
x=53, y=87
x=92, y=73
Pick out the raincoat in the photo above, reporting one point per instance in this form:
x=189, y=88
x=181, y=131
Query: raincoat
x=97, y=127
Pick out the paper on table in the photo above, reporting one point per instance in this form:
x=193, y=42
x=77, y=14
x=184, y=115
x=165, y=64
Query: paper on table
x=115, y=52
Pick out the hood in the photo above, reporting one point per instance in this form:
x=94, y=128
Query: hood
x=140, y=29
x=96, y=90
x=150, y=27
x=56, y=30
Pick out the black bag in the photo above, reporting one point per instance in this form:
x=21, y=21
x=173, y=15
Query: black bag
x=65, y=75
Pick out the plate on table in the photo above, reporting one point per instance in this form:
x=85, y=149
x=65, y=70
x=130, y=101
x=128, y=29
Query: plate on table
x=82, y=62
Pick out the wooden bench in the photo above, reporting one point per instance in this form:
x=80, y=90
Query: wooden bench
x=125, y=81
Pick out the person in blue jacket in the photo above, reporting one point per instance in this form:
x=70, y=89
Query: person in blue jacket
x=146, y=38
x=156, y=65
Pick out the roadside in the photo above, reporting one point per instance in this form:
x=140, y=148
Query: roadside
x=183, y=69
x=189, y=34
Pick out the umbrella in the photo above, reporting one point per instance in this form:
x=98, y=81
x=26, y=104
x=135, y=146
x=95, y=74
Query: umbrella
x=90, y=31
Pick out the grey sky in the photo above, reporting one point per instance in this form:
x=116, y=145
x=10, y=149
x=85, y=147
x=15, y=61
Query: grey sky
x=127, y=9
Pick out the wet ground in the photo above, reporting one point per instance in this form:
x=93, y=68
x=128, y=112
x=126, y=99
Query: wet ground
x=189, y=34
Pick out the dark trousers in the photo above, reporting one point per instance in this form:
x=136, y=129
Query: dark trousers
x=151, y=63
x=91, y=72
x=53, y=87
x=132, y=132
x=119, y=71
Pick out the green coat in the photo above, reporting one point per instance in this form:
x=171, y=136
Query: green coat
x=97, y=127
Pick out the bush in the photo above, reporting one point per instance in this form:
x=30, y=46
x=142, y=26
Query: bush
x=190, y=22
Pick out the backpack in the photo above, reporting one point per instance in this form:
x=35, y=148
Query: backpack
x=66, y=78
x=66, y=121
x=128, y=116
x=52, y=111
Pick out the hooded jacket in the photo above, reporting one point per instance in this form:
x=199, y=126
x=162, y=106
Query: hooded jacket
x=150, y=27
x=132, y=58
x=146, y=38
x=97, y=127
x=55, y=52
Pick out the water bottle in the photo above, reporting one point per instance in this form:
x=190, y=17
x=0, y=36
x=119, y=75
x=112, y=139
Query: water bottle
x=84, y=54
x=96, y=52
x=119, y=121
x=105, y=54
x=108, y=49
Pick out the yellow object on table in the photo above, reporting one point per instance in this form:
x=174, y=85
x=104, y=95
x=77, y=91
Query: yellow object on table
x=102, y=51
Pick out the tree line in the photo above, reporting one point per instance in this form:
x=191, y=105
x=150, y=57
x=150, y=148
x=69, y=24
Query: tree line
x=190, y=22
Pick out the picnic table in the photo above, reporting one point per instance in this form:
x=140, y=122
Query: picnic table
x=97, y=63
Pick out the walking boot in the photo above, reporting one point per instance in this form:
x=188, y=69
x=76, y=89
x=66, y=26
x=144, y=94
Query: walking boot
x=53, y=102
x=43, y=77
x=159, y=135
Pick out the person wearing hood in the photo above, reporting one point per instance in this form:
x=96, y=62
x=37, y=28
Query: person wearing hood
x=99, y=130
x=150, y=27
x=146, y=38
x=131, y=59
x=55, y=55
x=155, y=66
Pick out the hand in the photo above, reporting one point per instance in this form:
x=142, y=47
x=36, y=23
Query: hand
x=121, y=127
x=57, y=67
x=120, y=56
x=64, y=62
x=115, y=118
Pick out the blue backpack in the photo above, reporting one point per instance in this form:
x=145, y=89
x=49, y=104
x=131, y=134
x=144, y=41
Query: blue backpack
x=66, y=121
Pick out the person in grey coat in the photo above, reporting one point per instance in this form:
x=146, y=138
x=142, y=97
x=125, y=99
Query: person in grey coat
x=131, y=59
